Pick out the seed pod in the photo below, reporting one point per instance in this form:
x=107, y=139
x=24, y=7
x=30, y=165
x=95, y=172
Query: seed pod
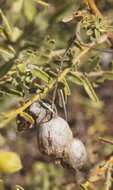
x=38, y=111
x=75, y=154
x=53, y=136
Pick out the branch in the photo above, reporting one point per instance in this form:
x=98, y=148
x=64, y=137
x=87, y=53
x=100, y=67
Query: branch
x=92, y=6
x=9, y=116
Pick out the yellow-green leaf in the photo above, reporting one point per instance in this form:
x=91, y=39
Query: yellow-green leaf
x=6, y=67
x=18, y=187
x=2, y=185
x=29, y=9
x=7, y=52
x=9, y=162
x=66, y=88
x=80, y=79
x=41, y=75
x=89, y=89
x=27, y=117
x=7, y=27
x=75, y=77
x=42, y=3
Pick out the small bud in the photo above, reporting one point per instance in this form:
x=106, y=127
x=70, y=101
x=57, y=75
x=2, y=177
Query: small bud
x=9, y=162
x=75, y=154
x=53, y=136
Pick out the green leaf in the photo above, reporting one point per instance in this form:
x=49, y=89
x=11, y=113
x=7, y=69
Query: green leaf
x=92, y=64
x=9, y=162
x=108, y=75
x=6, y=67
x=16, y=34
x=67, y=90
x=29, y=9
x=79, y=79
x=2, y=33
x=7, y=27
x=27, y=117
x=63, y=11
x=89, y=89
x=60, y=97
x=18, y=187
x=21, y=67
x=42, y=3
x=104, y=75
x=9, y=90
x=75, y=77
x=7, y=52
x=37, y=72
x=97, y=34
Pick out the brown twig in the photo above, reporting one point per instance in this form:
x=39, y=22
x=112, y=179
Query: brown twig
x=93, y=8
x=105, y=140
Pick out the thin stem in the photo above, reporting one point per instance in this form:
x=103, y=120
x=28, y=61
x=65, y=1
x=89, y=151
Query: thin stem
x=92, y=6
x=105, y=140
x=12, y=114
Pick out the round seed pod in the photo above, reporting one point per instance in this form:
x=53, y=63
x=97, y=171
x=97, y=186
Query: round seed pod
x=37, y=111
x=53, y=136
x=75, y=154
x=42, y=110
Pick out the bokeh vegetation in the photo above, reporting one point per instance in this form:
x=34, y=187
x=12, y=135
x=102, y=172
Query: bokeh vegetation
x=61, y=51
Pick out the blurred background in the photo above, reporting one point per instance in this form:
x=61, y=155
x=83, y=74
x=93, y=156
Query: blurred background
x=33, y=22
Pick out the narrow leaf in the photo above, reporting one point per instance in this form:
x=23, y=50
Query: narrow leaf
x=80, y=79
x=5, y=68
x=89, y=89
x=42, y=3
x=41, y=75
x=9, y=90
x=66, y=88
x=27, y=117
x=7, y=27
x=7, y=52
x=75, y=77
x=29, y=9
x=18, y=187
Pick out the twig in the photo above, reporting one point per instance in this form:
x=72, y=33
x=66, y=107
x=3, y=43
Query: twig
x=103, y=38
x=60, y=70
x=92, y=6
x=8, y=117
x=106, y=140
x=108, y=182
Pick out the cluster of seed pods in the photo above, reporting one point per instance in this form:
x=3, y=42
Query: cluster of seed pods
x=55, y=137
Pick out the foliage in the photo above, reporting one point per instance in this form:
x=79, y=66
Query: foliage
x=9, y=162
x=47, y=49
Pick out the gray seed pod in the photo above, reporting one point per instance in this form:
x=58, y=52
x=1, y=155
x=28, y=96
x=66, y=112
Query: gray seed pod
x=53, y=136
x=38, y=111
x=75, y=154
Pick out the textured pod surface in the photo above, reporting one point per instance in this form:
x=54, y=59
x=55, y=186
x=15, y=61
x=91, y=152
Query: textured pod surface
x=38, y=111
x=53, y=136
x=75, y=154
